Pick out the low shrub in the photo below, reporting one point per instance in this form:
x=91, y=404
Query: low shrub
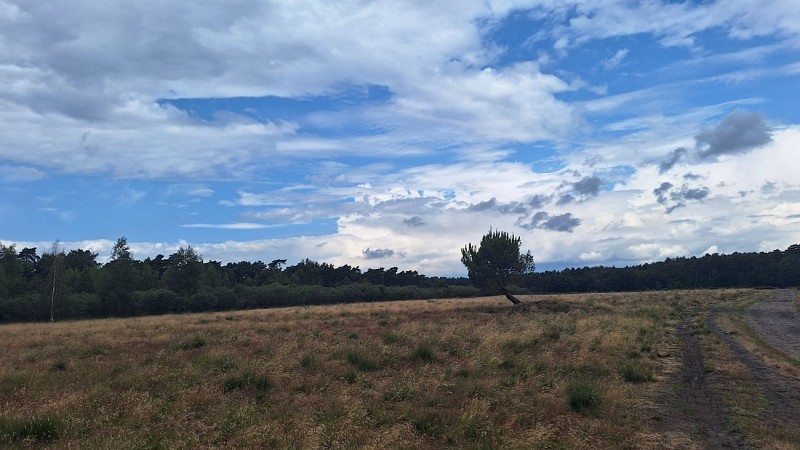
x=429, y=423
x=424, y=352
x=234, y=383
x=308, y=361
x=389, y=337
x=584, y=397
x=634, y=373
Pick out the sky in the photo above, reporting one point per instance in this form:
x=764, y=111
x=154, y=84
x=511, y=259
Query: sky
x=391, y=134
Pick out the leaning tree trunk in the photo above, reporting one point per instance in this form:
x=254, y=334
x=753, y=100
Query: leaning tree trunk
x=511, y=297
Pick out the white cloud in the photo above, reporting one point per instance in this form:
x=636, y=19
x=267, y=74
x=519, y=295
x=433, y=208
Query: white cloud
x=615, y=60
x=80, y=83
x=15, y=174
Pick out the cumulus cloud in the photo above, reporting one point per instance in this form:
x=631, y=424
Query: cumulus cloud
x=414, y=221
x=100, y=96
x=673, y=158
x=544, y=221
x=588, y=186
x=739, y=132
x=687, y=193
x=377, y=253
x=661, y=191
x=677, y=198
x=565, y=199
x=484, y=205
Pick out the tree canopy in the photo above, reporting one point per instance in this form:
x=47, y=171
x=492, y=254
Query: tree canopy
x=497, y=262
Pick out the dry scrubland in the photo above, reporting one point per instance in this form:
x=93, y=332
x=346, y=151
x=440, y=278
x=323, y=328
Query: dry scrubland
x=575, y=371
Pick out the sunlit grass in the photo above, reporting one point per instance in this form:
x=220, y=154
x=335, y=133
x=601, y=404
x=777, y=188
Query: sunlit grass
x=423, y=374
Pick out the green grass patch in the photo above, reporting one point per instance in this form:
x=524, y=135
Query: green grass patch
x=350, y=376
x=234, y=383
x=423, y=352
x=43, y=429
x=398, y=394
x=193, y=344
x=12, y=383
x=635, y=373
x=263, y=383
x=308, y=361
x=361, y=361
x=584, y=397
x=389, y=337
x=429, y=423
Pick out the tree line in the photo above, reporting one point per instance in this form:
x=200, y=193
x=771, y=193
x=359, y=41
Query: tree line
x=72, y=285
x=765, y=269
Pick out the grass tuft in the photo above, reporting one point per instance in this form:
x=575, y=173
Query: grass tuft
x=195, y=343
x=634, y=373
x=44, y=429
x=361, y=361
x=389, y=337
x=424, y=352
x=429, y=423
x=308, y=361
x=12, y=383
x=263, y=383
x=584, y=396
x=236, y=382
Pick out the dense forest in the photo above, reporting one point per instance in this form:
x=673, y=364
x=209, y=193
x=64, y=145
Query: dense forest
x=70, y=285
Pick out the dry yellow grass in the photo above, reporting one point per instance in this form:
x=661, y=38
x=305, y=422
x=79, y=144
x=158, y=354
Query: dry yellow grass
x=417, y=374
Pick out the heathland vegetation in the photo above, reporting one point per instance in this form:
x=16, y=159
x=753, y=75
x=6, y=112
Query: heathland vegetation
x=674, y=368
x=71, y=285
x=573, y=371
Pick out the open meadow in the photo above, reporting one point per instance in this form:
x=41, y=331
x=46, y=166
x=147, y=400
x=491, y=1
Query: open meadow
x=567, y=371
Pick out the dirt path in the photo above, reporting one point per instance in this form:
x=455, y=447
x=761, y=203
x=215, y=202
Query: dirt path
x=781, y=391
x=693, y=407
x=777, y=320
x=696, y=409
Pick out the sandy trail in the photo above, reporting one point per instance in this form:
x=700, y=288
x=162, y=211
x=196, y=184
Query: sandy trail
x=778, y=321
x=699, y=410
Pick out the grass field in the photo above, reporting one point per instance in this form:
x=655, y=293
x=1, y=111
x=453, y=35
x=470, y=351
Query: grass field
x=574, y=371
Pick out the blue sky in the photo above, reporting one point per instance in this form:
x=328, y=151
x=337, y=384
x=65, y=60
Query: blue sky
x=388, y=134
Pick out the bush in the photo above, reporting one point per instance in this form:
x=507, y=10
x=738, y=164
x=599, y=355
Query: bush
x=263, y=383
x=430, y=424
x=423, y=352
x=635, y=373
x=203, y=301
x=584, y=397
x=308, y=361
x=389, y=337
x=235, y=383
x=157, y=301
